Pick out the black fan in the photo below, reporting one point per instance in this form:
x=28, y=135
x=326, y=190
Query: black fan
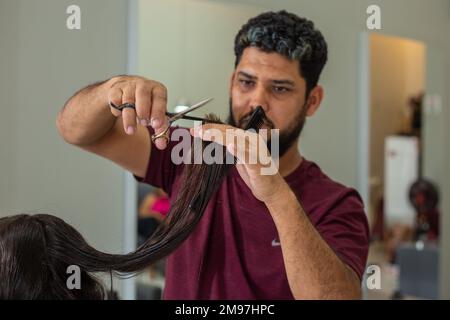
x=424, y=196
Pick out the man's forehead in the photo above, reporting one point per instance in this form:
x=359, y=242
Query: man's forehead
x=270, y=66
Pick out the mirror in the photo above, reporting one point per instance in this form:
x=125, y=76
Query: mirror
x=405, y=166
x=188, y=45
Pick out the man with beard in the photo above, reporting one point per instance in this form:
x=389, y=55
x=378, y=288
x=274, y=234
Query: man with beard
x=295, y=234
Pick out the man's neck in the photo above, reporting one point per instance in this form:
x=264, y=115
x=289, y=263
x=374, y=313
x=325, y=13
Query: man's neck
x=290, y=160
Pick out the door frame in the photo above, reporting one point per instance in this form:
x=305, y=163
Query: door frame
x=130, y=185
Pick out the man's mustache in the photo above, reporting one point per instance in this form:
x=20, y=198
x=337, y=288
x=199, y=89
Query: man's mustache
x=242, y=123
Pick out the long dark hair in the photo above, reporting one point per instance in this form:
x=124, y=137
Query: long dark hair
x=35, y=251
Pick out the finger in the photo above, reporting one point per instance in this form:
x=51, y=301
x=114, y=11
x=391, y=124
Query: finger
x=223, y=134
x=222, y=127
x=115, y=97
x=161, y=143
x=158, y=106
x=247, y=147
x=129, y=114
x=129, y=120
x=231, y=148
x=143, y=103
x=210, y=132
x=128, y=94
x=244, y=145
x=225, y=137
x=240, y=151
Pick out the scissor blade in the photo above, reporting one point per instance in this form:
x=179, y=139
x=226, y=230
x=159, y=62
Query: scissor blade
x=190, y=109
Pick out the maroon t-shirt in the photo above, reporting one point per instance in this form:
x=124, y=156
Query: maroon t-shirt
x=234, y=252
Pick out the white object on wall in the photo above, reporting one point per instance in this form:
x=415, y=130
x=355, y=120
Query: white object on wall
x=401, y=171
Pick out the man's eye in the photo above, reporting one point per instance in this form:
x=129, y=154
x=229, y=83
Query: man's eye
x=280, y=89
x=246, y=83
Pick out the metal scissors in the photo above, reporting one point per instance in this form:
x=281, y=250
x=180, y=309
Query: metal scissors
x=172, y=116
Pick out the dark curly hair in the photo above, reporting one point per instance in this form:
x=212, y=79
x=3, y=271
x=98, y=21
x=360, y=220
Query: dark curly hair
x=289, y=35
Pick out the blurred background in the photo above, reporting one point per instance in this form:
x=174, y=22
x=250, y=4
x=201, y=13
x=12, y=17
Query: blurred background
x=381, y=128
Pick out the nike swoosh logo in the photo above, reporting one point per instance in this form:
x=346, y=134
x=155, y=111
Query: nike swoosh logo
x=275, y=243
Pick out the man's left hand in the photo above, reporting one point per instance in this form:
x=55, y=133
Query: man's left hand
x=263, y=186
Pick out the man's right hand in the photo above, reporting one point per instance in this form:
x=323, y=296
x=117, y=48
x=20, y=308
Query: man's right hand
x=88, y=121
x=150, y=99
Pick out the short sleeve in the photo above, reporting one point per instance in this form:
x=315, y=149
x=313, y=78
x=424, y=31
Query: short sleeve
x=345, y=228
x=161, y=170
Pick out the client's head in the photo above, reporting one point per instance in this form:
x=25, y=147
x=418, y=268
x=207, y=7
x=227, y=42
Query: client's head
x=35, y=252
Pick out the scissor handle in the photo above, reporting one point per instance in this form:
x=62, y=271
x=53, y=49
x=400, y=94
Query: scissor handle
x=169, y=114
x=172, y=118
x=162, y=134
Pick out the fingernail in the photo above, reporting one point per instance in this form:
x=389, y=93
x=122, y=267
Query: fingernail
x=156, y=123
x=144, y=122
x=130, y=130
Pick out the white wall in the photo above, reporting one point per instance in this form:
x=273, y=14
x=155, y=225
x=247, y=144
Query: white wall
x=172, y=39
x=436, y=146
x=42, y=65
x=8, y=105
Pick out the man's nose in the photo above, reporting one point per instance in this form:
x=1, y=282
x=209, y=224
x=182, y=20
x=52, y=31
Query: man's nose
x=260, y=98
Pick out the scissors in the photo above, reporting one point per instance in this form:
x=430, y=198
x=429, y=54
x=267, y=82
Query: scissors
x=172, y=116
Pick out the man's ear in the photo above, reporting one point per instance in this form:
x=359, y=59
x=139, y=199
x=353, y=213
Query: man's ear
x=314, y=100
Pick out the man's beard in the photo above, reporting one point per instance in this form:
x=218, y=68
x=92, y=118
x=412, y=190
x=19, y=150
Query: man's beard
x=287, y=137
